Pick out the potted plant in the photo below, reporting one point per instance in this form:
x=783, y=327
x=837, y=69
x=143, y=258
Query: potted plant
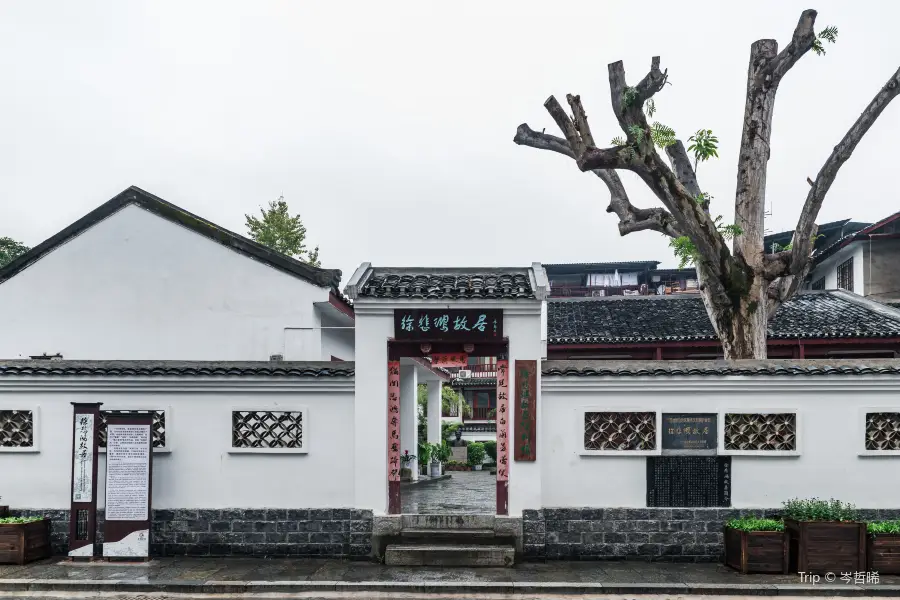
x=883, y=549
x=824, y=536
x=425, y=451
x=24, y=539
x=440, y=454
x=405, y=470
x=755, y=545
x=475, y=455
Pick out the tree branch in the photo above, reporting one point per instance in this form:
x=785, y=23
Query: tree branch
x=651, y=83
x=565, y=125
x=630, y=218
x=800, y=44
x=802, y=242
x=683, y=169
x=581, y=123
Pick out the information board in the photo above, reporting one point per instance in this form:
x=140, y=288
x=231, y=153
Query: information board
x=129, y=477
x=689, y=431
x=689, y=481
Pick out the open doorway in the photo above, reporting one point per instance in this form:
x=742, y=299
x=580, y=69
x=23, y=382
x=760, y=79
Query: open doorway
x=464, y=430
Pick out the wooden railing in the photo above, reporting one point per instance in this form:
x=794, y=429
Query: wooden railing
x=479, y=371
x=480, y=414
x=587, y=292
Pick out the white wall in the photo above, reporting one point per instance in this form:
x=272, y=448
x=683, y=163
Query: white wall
x=830, y=439
x=336, y=342
x=199, y=471
x=828, y=268
x=136, y=286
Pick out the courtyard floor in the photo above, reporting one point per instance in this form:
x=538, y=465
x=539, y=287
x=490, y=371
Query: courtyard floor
x=470, y=492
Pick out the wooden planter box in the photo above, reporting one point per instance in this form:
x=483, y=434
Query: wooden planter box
x=756, y=551
x=826, y=546
x=883, y=553
x=21, y=543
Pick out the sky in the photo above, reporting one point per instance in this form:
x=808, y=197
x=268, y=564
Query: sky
x=388, y=125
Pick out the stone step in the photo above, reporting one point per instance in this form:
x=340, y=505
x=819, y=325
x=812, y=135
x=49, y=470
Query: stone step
x=470, y=537
x=461, y=521
x=449, y=555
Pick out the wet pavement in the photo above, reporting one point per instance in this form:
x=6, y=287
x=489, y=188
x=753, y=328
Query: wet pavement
x=196, y=571
x=468, y=492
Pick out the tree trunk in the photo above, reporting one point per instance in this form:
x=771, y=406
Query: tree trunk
x=739, y=320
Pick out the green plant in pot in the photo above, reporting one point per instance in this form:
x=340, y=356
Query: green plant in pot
x=440, y=454
x=475, y=455
x=883, y=547
x=425, y=450
x=755, y=545
x=824, y=536
x=405, y=461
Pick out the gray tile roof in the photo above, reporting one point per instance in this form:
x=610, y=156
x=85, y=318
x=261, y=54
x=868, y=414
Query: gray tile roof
x=448, y=284
x=473, y=382
x=146, y=368
x=665, y=368
x=638, y=319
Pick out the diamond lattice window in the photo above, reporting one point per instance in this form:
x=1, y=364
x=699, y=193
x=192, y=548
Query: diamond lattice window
x=267, y=429
x=158, y=429
x=620, y=431
x=765, y=432
x=882, y=431
x=16, y=429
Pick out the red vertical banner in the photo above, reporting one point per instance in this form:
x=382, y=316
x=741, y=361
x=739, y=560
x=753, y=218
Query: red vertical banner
x=502, y=436
x=526, y=410
x=393, y=432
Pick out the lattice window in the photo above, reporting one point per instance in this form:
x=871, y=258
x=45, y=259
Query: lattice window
x=765, y=432
x=620, y=431
x=16, y=429
x=818, y=284
x=882, y=431
x=845, y=275
x=267, y=429
x=158, y=429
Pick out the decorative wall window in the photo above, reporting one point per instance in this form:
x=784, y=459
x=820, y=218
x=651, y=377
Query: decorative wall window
x=267, y=430
x=845, y=275
x=768, y=432
x=620, y=431
x=818, y=284
x=158, y=430
x=882, y=431
x=17, y=429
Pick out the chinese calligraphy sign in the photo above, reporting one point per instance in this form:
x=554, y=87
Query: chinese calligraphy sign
x=502, y=420
x=448, y=324
x=451, y=359
x=394, y=420
x=525, y=410
x=83, y=463
x=690, y=431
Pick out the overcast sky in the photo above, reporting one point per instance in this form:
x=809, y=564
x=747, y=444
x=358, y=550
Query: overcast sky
x=388, y=125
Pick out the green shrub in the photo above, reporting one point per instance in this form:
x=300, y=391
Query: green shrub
x=18, y=520
x=475, y=453
x=884, y=527
x=455, y=463
x=491, y=448
x=819, y=510
x=754, y=524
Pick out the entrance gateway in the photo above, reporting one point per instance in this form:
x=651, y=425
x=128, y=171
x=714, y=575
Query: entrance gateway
x=407, y=318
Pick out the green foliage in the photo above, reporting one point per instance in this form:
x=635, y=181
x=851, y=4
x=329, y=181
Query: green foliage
x=475, y=453
x=491, y=448
x=829, y=34
x=637, y=132
x=703, y=198
x=754, y=524
x=407, y=458
x=448, y=429
x=662, y=135
x=19, y=520
x=814, y=509
x=704, y=146
x=280, y=231
x=628, y=96
x=441, y=452
x=425, y=451
x=884, y=527
x=619, y=141
x=685, y=250
x=10, y=250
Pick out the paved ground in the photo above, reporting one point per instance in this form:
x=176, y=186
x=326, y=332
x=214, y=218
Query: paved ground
x=198, y=570
x=373, y=596
x=465, y=492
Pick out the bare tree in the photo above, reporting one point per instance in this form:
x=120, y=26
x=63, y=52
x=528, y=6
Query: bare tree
x=742, y=287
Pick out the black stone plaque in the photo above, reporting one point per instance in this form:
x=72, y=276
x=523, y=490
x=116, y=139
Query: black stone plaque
x=688, y=481
x=689, y=431
x=466, y=325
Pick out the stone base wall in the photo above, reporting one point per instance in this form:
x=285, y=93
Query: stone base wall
x=652, y=534
x=338, y=533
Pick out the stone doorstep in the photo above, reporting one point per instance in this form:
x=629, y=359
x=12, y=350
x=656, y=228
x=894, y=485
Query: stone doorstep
x=455, y=587
x=450, y=555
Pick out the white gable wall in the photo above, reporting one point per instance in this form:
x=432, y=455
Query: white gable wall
x=137, y=286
